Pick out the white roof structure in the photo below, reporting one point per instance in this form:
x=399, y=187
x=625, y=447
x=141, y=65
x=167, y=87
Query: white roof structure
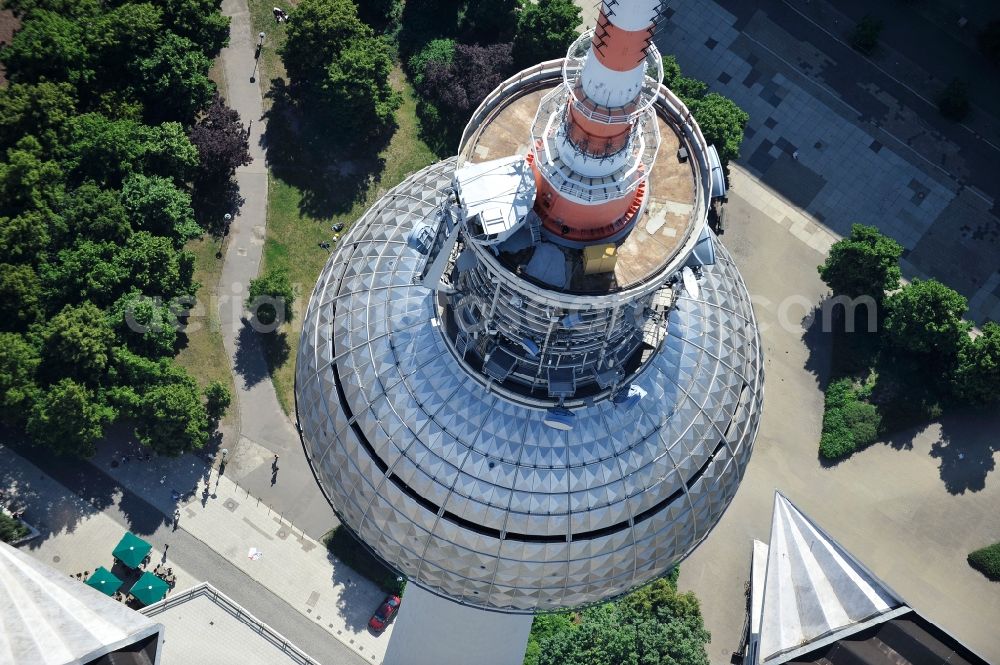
x=501, y=192
x=48, y=618
x=814, y=591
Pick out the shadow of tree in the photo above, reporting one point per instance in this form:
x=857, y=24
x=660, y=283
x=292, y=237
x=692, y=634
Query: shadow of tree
x=276, y=349
x=305, y=150
x=249, y=362
x=967, y=449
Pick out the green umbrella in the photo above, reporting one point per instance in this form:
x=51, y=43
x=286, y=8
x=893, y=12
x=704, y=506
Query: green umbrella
x=149, y=589
x=131, y=550
x=104, y=581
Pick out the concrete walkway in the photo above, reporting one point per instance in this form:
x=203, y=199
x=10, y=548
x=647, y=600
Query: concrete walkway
x=263, y=429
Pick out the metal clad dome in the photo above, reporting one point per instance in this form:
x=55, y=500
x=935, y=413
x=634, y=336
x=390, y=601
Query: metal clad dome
x=467, y=492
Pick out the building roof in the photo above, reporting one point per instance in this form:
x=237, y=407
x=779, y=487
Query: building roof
x=48, y=618
x=813, y=587
x=203, y=625
x=813, y=602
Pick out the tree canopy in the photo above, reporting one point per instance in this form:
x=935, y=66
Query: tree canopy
x=925, y=317
x=864, y=264
x=96, y=174
x=545, y=30
x=977, y=374
x=334, y=59
x=270, y=296
x=654, y=624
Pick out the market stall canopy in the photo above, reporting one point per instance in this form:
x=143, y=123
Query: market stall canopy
x=149, y=589
x=104, y=581
x=131, y=550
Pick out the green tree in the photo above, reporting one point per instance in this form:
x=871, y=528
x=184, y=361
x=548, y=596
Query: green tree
x=154, y=266
x=28, y=181
x=317, y=31
x=77, y=343
x=175, y=83
x=722, y=122
x=120, y=35
x=217, y=400
x=977, y=375
x=381, y=15
x=69, y=419
x=19, y=361
x=85, y=270
x=48, y=47
x=172, y=419
x=20, y=291
x=544, y=31
x=864, y=264
x=544, y=627
x=41, y=109
x=145, y=325
x=95, y=213
x=987, y=561
x=925, y=317
x=438, y=51
x=198, y=20
x=25, y=237
x=108, y=151
x=155, y=204
x=271, y=296
x=490, y=21
x=357, y=90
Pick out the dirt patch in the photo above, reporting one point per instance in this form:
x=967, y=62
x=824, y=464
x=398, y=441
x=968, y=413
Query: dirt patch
x=8, y=26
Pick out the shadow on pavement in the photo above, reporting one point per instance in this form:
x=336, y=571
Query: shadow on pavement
x=249, y=363
x=166, y=482
x=970, y=440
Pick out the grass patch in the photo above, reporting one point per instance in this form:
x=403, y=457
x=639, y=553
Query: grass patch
x=311, y=189
x=11, y=530
x=342, y=544
x=202, y=352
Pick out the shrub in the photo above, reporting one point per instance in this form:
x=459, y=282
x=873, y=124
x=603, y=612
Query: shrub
x=217, y=400
x=953, y=102
x=866, y=34
x=849, y=422
x=270, y=293
x=987, y=561
x=11, y=530
x=342, y=544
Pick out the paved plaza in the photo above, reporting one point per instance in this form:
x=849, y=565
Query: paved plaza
x=910, y=509
x=846, y=142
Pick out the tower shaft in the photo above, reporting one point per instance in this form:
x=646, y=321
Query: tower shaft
x=590, y=153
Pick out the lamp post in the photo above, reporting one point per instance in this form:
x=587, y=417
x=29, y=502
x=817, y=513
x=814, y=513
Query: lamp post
x=256, y=56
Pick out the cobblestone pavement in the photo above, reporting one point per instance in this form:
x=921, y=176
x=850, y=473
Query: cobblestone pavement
x=845, y=141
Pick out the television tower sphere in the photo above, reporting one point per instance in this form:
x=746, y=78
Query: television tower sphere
x=529, y=376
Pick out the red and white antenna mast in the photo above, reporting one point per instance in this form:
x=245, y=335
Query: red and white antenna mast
x=595, y=138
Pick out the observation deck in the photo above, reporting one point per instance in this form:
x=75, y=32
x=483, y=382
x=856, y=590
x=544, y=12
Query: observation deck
x=679, y=192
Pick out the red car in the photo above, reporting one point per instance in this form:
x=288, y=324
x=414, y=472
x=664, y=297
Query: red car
x=384, y=614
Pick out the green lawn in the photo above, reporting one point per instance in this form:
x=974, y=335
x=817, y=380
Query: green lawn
x=204, y=355
x=309, y=190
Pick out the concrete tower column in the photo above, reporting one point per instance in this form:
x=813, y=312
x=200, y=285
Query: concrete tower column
x=597, y=131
